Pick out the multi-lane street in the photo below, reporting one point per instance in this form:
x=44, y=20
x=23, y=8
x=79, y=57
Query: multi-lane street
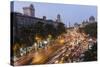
x=68, y=47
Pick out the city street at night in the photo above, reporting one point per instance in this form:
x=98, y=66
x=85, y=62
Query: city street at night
x=44, y=34
x=66, y=48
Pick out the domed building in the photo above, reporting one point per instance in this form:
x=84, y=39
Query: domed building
x=91, y=19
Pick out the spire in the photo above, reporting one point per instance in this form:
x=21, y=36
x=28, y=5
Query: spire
x=69, y=24
x=58, y=18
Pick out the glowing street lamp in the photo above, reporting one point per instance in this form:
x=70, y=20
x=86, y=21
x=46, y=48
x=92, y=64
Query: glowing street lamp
x=61, y=41
x=35, y=44
x=45, y=42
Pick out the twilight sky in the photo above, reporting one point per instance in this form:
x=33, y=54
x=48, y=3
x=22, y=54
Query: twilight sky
x=69, y=13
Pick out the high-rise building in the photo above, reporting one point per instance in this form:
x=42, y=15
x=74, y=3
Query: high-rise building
x=29, y=11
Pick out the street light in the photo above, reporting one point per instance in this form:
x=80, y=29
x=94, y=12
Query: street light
x=35, y=44
x=45, y=42
x=61, y=41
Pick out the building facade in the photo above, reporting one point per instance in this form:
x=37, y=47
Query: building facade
x=28, y=19
x=29, y=11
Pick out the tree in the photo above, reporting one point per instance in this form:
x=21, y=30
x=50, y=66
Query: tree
x=50, y=29
x=91, y=54
x=60, y=28
x=39, y=28
x=91, y=29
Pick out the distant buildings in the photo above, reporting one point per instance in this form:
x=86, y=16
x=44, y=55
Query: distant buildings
x=91, y=19
x=84, y=23
x=58, y=18
x=28, y=19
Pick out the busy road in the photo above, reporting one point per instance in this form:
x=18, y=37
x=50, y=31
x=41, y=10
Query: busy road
x=68, y=47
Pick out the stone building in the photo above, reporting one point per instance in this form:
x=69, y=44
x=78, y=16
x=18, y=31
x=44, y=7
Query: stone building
x=28, y=19
x=29, y=11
